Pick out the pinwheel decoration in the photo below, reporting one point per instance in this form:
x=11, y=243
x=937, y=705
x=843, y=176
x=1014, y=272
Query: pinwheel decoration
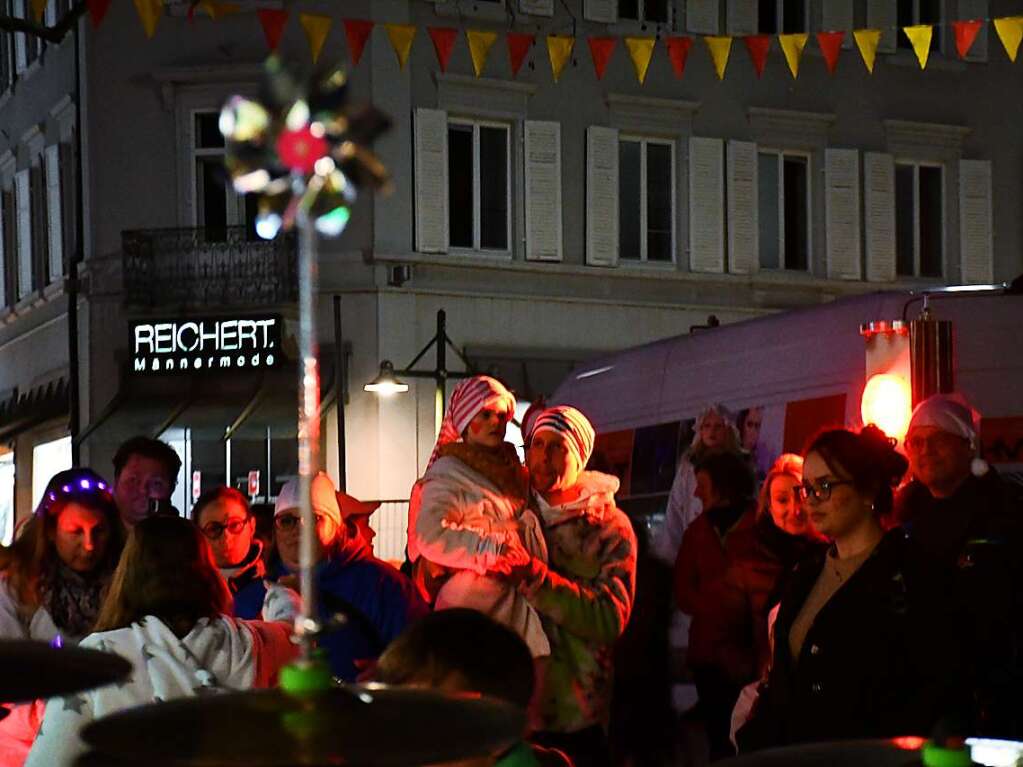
x=302, y=148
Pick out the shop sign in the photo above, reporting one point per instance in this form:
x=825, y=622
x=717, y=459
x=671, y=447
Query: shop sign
x=254, y=483
x=206, y=345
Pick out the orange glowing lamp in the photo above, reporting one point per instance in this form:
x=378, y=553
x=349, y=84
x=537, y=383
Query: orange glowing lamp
x=888, y=404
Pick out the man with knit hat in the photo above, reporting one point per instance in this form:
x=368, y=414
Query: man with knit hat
x=965, y=516
x=584, y=592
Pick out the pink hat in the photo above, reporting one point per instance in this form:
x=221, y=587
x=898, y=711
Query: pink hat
x=353, y=507
x=469, y=398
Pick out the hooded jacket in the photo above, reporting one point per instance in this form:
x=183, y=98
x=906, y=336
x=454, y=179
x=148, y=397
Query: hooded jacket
x=245, y=583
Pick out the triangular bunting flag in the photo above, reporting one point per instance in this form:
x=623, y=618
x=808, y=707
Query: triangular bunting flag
x=920, y=36
x=678, y=52
x=401, y=37
x=867, y=41
x=1010, y=32
x=149, y=12
x=792, y=46
x=758, y=45
x=519, y=44
x=601, y=49
x=38, y=9
x=965, y=33
x=641, y=50
x=719, y=47
x=97, y=11
x=830, y=44
x=217, y=11
x=273, y=22
x=443, y=42
x=480, y=44
x=357, y=33
x=316, y=28
x=559, y=49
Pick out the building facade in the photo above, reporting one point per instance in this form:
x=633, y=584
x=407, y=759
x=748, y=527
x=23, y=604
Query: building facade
x=550, y=220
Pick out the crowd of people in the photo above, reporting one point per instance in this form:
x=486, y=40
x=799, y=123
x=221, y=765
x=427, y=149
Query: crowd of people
x=854, y=591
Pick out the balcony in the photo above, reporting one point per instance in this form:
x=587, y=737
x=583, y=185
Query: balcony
x=207, y=268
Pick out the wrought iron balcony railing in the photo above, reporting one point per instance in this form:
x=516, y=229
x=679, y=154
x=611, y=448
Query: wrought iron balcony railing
x=208, y=267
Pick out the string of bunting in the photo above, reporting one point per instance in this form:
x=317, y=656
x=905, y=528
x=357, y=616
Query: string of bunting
x=560, y=48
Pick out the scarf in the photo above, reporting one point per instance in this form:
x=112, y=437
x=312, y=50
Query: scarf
x=501, y=466
x=72, y=599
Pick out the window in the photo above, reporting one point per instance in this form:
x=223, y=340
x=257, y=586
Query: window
x=655, y=11
x=47, y=459
x=646, y=199
x=781, y=16
x=912, y=12
x=40, y=227
x=217, y=205
x=479, y=188
x=784, y=214
x=27, y=47
x=7, y=498
x=919, y=237
x=8, y=290
x=68, y=200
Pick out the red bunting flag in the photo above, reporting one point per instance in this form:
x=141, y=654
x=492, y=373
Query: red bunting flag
x=97, y=11
x=758, y=46
x=601, y=49
x=966, y=32
x=273, y=22
x=830, y=44
x=443, y=42
x=519, y=44
x=678, y=52
x=357, y=33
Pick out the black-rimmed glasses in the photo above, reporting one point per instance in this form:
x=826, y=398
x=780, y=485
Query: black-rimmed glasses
x=821, y=491
x=213, y=530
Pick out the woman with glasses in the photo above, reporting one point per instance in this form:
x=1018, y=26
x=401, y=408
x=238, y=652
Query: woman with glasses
x=865, y=645
x=223, y=516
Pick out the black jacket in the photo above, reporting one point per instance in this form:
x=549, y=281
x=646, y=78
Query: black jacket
x=880, y=659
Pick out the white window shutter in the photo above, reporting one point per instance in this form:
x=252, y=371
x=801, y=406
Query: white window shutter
x=543, y=191
x=976, y=251
x=881, y=15
x=23, y=212
x=842, y=213
x=741, y=17
x=431, y=168
x=603, y=11
x=879, y=215
x=976, y=9
x=3, y=254
x=50, y=15
x=20, y=40
x=601, y=196
x=702, y=16
x=53, y=211
x=743, y=208
x=537, y=7
x=837, y=16
x=706, y=203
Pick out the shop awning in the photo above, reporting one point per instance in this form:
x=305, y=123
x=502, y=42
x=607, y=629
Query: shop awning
x=39, y=404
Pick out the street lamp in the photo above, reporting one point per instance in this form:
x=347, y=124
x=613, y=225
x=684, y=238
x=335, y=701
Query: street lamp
x=387, y=382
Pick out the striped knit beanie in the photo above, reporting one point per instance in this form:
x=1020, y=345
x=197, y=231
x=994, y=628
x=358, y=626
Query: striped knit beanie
x=470, y=397
x=573, y=425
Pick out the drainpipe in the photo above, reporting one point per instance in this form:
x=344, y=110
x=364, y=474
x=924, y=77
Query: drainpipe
x=71, y=286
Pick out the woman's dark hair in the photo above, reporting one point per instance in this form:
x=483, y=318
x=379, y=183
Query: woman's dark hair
x=868, y=458
x=166, y=570
x=215, y=495
x=732, y=476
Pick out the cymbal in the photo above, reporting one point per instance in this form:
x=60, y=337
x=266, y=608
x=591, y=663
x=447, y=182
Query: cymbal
x=30, y=670
x=893, y=752
x=350, y=725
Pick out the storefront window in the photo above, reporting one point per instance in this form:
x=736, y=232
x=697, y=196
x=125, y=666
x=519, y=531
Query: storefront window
x=7, y=498
x=47, y=459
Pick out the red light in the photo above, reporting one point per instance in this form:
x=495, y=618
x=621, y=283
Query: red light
x=887, y=403
x=909, y=742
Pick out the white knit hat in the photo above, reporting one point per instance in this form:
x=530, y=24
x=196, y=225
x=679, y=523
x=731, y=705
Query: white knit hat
x=322, y=496
x=952, y=414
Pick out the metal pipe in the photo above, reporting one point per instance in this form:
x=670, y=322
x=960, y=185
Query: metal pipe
x=441, y=371
x=71, y=275
x=340, y=376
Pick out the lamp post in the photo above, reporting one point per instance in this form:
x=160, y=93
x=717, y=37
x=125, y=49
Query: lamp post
x=387, y=381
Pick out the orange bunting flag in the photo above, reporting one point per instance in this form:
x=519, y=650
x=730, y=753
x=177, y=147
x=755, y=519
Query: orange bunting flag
x=559, y=49
x=867, y=41
x=443, y=42
x=758, y=46
x=316, y=28
x=149, y=12
x=830, y=44
x=678, y=52
x=920, y=37
x=97, y=11
x=519, y=44
x=357, y=32
x=401, y=37
x=1010, y=32
x=719, y=47
x=480, y=44
x=38, y=9
x=641, y=50
x=601, y=49
x=273, y=22
x=792, y=46
x=965, y=33
x=217, y=11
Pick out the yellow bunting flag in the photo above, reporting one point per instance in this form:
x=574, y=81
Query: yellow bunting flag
x=217, y=11
x=920, y=37
x=867, y=41
x=149, y=12
x=401, y=37
x=719, y=48
x=641, y=49
x=38, y=9
x=480, y=44
x=792, y=46
x=559, y=48
x=316, y=28
x=1010, y=32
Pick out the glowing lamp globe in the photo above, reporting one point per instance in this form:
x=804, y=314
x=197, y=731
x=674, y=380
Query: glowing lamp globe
x=888, y=404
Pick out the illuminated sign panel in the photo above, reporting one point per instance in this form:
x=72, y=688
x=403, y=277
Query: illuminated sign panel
x=206, y=345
